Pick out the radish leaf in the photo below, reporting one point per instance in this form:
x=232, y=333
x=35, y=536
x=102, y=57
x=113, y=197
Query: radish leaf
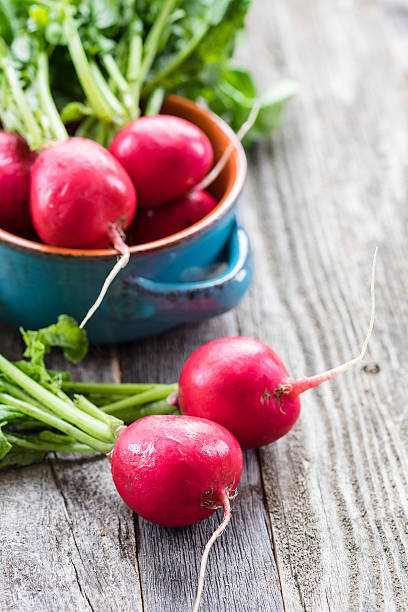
x=65, y=334
x=5, y=445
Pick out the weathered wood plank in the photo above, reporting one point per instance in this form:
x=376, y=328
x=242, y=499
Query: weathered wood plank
x=396, y=12
x=331, y=186
x=242, y=574
x=68, y=541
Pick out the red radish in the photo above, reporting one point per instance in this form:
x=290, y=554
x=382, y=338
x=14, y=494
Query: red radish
x=165, y=157
x=176, y=471
x=154, y=223
x=81, y=197
x=16, y=161
x=242, y=384
x=237, y=382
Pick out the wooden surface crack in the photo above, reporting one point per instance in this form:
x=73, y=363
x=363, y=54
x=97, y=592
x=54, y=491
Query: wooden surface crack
x=270, y=527
x=84, y=595
x=71, y=528
x=137, y=545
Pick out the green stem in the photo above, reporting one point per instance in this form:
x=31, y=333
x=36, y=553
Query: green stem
x=46, y=99
x=129, y=415
x=62, y=408
x=109, y=388
x=181, y=57
x=122, y=84
x=85, y=126
x=155, y=101
x=135, y=58
x=133, y=67
x=110, y=98
x=115, y=74
x=18, y=393
x=153, y=38
x=33, y=135
x=161, y=407
x=84, y=404
x=83, y=69
x=139, y=398
x=36, y=413
x=102, y=400
x=99, y=133
x=35, y=443
x=9, y=113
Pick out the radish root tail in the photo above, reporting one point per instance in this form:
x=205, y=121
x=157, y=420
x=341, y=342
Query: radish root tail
x=219, y=166
x=303, y=384
x=122, y=262
x=220, y=529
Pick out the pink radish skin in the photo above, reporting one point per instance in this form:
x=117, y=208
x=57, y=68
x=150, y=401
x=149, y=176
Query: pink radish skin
x=16, y=161
x=236, y=382
x=176, y=470
x=165, y=157
x=172, y=217
x=81, y=197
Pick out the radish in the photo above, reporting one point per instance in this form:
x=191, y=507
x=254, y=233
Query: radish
x=16, y=161
x=176, y=471
x=81, y=197
x=242, y=384
x=154, y=223
x=165, y=157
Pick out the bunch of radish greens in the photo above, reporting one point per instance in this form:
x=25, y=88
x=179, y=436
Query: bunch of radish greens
x=43, y=411
x=100, y=64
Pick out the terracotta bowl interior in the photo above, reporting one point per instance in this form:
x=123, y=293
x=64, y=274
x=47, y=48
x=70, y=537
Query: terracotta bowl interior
x=225, y=188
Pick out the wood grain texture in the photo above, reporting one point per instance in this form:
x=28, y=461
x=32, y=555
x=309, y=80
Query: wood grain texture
x=325, y=520
x=328, y=188
x=396, y=22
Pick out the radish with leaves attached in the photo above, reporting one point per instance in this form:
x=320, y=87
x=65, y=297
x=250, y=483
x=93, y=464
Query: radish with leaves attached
x=173, y=470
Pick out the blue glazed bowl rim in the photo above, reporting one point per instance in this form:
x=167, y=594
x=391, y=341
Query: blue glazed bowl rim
x=239, y=166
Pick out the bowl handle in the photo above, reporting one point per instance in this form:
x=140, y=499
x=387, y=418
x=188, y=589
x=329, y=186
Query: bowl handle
x=206, y=298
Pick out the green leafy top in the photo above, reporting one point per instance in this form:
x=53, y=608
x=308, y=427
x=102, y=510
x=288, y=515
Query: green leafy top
x=108, y=60
x=65, y=334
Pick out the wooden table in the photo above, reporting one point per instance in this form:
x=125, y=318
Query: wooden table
x=321, y=521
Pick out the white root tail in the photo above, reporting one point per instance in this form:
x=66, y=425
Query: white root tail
x=301, y=385
x=122, y=262
x=219, y=166
x=220, y=529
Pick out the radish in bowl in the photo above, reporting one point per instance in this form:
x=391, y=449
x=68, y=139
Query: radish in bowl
x=16, y=161
x=165, y=156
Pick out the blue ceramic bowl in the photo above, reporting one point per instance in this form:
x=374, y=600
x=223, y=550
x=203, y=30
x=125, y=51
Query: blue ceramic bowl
x=195, y=274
